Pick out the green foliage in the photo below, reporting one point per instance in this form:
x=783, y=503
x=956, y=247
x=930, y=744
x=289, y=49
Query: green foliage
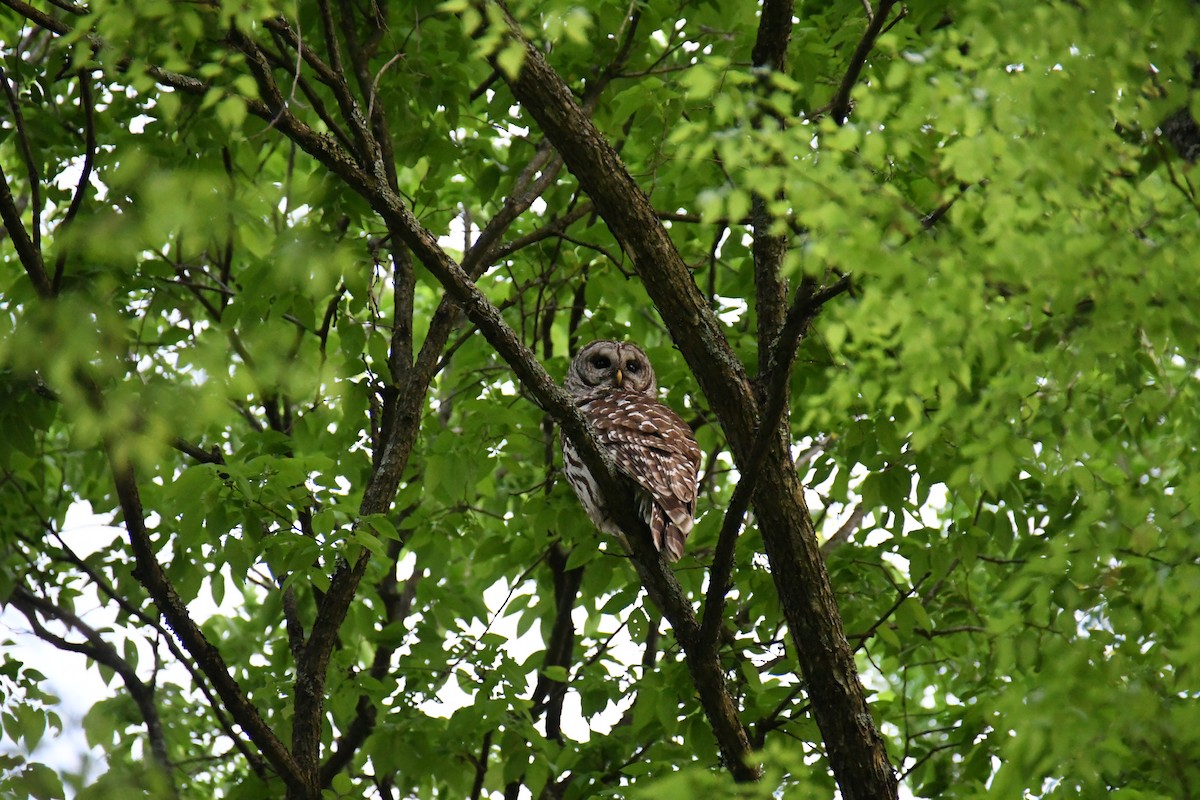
x=1007, y=396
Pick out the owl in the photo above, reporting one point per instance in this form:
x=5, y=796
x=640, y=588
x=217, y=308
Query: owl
x=613, y=384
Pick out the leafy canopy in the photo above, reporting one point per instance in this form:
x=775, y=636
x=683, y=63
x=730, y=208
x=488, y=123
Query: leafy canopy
x=998, y=420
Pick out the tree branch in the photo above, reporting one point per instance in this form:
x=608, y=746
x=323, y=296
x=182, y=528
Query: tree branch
x=31, y=169
x=31, y=259
x=770, y=51
x=397, y=606
x=844, y=533
x=87, y=103
x=769, y=250
x=840, y=108
x=97, y=649
x=635, y=224
x=549, y=693
x=37, y=16
x=150, y=573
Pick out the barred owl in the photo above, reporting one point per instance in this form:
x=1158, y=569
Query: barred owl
x=614, y=386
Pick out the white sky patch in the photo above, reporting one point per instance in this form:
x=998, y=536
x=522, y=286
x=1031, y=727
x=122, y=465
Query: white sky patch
x=138, y=124
x=504, y=388
x=296, y=215
x=454, y=240
x=720, y=243
x=731, y=309
x=67, y=179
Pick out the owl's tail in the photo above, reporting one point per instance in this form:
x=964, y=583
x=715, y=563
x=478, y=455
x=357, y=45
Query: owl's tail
x=670, y=525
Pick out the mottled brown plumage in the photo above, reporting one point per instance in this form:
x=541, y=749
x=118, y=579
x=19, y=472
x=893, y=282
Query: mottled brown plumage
x=614, y=386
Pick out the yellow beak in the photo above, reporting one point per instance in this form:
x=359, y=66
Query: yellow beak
x=620, y=377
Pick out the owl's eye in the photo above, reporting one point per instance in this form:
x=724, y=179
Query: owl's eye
x=601, y=362
x=633, y=367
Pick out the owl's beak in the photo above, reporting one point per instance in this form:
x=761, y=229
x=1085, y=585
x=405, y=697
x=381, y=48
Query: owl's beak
x=620, y=376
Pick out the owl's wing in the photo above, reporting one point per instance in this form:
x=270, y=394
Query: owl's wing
x=652, y=445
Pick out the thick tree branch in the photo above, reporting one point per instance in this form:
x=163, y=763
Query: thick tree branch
x=774, y=33
x=769, y=249
x=778, y=368
x=37, y=16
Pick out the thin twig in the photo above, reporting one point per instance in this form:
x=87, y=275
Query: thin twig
x=87, y=103
x=32, y=174
x=840, y=107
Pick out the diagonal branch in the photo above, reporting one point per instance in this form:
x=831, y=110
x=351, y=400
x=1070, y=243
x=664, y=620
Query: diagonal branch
x=150, y=573
x=847, y=529
x=31, y=258
x=31, y=167
x=37, y=16
x=635, y=224
x=88, y=104
x=840, y=107
x=96, y=648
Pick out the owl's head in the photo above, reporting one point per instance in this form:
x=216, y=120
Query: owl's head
x=614, y=365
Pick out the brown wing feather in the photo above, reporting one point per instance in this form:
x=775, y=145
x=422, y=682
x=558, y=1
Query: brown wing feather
x=654, y=446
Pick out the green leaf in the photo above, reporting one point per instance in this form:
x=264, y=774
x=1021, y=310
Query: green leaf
x=511, y=58
x=556, y=673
